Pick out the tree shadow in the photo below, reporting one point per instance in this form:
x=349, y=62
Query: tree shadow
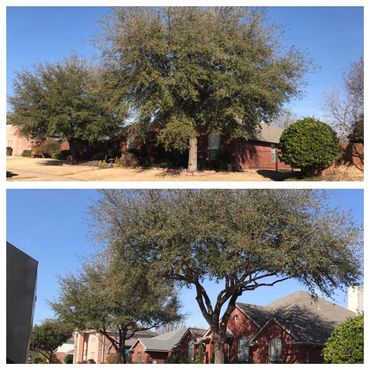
x=279, y=175
x=10, y=174
x=53, y=162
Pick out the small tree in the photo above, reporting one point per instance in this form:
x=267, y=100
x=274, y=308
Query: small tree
x=112, y=296
x=66, y=101
x=310, y=145
x=48, y=336
x=243, y=240
x=346, y=344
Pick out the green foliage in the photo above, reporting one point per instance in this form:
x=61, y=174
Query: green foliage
x=346, y=344
x=110, y=294
x=200, y=354
x=68, y=359
x=48, y=336
x=46, y=148
x=197, y=69
x=357, y=134
x=64, y=100
x=240, y=239
x=26, y=153
x=61, y=154
x=310, y=145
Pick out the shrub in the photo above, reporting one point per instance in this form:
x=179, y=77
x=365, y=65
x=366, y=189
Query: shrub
x=130, y=160
x=46, y=148
x=26, y=153
x=310, y=145
x=346, y=344
x=9, y=150
x=68, y=359
x=61, y=154
x=112, y=358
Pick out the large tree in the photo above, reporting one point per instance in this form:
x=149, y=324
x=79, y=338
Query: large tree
x=242, y=239
x=66, y=101
x=347, y=112
x=198, y=70
x=116, y=299
x=48, y=336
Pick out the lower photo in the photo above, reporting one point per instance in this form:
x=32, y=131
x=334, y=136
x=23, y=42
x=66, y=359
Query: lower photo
x=213, y=276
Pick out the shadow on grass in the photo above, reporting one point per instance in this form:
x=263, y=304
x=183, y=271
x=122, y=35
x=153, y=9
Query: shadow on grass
x=10, y=174
x=53, y=162
x=280, y=176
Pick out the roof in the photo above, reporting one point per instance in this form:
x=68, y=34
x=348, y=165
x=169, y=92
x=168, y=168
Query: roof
x=307, y=319
x=268, y=133
x=168, y=341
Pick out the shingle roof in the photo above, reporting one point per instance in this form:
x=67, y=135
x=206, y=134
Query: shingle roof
x=164, y=342
x=268, y=133
x=308, y=320
x=258, y=314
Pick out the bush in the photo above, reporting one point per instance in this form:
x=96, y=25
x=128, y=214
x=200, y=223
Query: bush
x=130, y=160
x=46, y=148
x=61, y=154
x=310, y=145
x=346, y=344
x=26, y=153
x=68, y=359
x=112, y=358
x=9, y=150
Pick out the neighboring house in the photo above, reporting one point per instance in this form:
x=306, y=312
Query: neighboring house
x=356, y=299
x=65, y=349
x=260, y=151
x=92, y=345
x=290, y=330
x=17, y=142
x=174, y=346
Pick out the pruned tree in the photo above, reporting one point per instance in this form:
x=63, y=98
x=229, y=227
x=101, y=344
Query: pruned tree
x=242, y=239
x=117, y=300
x=48, y=336
x=198, y=70
x=347, y=113
x=66, y=101
x=346, y=344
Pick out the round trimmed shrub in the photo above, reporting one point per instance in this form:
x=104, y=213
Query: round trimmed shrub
x=310, y=145
x=346, y=344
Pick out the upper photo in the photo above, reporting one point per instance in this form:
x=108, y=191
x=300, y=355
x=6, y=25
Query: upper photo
x=185, y=94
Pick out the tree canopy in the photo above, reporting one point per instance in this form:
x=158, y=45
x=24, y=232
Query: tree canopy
x=66, y=101
x=198, y=70
x=242, y=239
x=117, y=300
x=346, y=344
x=48, y=336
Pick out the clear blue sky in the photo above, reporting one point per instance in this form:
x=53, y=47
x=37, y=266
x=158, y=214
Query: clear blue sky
x=52, y=226
x=331, y=36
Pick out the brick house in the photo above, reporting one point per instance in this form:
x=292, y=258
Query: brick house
x=92, y=346
x=174, y=346
x=290, y=330
x=260, y=151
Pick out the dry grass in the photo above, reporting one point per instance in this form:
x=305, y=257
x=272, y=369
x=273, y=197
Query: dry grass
x=342, y=173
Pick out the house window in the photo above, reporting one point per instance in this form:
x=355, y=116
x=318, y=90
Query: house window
x=243, y=349
x=191, y=350
x=236, y=317
x=139, y=358
x=213, y=145
x=273, y=155
x=131, y=141
x=275, y=350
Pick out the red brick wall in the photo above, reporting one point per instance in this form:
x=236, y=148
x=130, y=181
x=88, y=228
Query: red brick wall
x=139, y=349
x=292, y=353
x=243, y=326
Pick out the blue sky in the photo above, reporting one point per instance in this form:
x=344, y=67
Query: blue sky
x=331, y=36
x=52, y=226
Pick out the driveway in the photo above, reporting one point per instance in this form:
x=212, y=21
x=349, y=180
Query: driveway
x=36, y=169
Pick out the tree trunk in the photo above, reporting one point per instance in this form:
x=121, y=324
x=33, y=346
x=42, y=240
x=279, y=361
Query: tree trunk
x=73, y=149
x=193, y=155
x=218, y=348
